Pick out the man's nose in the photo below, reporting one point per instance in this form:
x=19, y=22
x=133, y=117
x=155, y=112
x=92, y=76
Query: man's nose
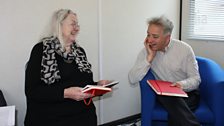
x=149, y=40
x=76, y=27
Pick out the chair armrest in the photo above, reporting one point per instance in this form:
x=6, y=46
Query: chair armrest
x=215, y=97
x=147, y=100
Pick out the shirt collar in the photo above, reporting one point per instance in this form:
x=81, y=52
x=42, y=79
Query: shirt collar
x=167, y=47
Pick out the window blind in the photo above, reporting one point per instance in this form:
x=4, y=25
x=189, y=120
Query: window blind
x=206, y=20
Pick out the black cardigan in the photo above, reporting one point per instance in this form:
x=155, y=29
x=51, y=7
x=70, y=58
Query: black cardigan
x=45, y=103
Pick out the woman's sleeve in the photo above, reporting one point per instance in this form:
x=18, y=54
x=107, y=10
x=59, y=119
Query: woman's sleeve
x=92, y=81
x=35, y=89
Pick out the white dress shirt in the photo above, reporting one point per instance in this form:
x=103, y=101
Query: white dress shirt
x=177, y=64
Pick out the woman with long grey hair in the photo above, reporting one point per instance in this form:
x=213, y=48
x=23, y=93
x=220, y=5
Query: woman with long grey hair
x=56, y=72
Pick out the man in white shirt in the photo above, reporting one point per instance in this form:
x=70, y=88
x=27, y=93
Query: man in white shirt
x=174, y=61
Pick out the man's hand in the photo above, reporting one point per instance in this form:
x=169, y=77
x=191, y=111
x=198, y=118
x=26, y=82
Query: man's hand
x=151, y=53
x=176, y=85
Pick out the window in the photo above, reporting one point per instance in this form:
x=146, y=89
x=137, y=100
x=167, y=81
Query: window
x=206, y=20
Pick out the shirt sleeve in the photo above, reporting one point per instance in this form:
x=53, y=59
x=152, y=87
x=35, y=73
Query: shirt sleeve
x=36, y=89
x=140, y=68
x=193, y=77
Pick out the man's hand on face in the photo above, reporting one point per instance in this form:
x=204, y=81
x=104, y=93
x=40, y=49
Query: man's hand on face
x=151, y=53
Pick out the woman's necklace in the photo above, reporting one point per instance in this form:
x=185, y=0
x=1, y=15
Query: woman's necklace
x=67, y=61
x=68, y=50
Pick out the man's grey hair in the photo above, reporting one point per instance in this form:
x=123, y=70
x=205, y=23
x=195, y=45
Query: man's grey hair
x=163, y=22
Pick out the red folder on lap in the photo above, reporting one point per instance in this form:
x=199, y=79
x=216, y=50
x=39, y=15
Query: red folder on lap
x=165, y=88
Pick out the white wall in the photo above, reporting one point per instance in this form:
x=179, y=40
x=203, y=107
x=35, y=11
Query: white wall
x=209, y=49
x=123, y=32
x=22, y=22
x=118, y=27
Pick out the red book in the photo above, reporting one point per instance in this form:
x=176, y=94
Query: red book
x=96, y=90
x=165, y=88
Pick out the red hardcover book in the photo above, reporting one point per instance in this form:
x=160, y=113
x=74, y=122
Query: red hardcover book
x=96, y=90
x=165, y=88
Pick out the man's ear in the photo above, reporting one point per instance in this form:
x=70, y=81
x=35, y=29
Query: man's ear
x=168, y=38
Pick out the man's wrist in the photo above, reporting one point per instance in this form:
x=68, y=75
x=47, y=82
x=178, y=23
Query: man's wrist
x=149, y=59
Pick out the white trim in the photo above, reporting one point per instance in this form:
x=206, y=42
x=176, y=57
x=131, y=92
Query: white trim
x=100, y=58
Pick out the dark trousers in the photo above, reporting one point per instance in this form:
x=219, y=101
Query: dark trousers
x=180, y=109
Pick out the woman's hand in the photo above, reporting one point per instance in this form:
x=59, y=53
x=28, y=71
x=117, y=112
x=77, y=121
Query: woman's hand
x=103, y=82
x=76, y=93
